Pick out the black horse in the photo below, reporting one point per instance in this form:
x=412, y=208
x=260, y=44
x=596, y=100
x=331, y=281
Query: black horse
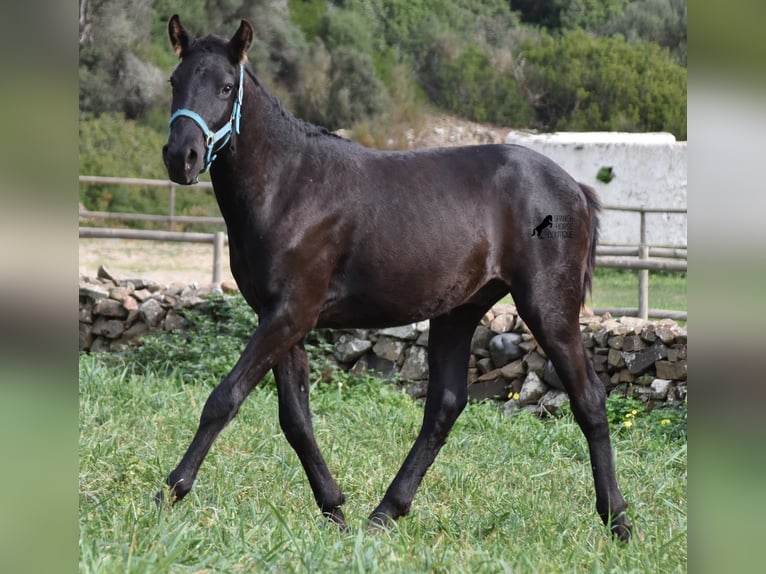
x=326, y=233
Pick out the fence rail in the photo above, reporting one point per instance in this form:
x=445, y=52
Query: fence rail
x=641, y=257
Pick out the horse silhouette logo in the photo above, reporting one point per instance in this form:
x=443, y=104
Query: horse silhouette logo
x=547, y=222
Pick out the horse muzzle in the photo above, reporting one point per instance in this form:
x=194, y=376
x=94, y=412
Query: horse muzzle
x=183, y=162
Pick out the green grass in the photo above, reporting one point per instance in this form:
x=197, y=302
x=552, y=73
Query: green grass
x=619, y=288
x=504, y=495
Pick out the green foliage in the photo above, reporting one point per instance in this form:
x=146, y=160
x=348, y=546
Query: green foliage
x=581, y=82
x=207, y=350
x=471, y=86
x=662, y=22
x=629, y=415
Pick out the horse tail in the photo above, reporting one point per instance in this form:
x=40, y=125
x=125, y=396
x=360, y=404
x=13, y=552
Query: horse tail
x=594, y=208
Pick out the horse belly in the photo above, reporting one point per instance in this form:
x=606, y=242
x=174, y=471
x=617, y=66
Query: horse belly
x=405, y=285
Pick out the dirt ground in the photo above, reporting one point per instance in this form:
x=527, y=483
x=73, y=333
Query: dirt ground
x=163, y=262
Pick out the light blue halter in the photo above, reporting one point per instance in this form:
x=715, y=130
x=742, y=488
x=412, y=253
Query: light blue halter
x=223, y=135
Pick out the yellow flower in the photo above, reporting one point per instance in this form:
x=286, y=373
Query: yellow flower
x=628, y=424
x=665, y=422
x=629, y=415
x=513, y=396
x=634, y=412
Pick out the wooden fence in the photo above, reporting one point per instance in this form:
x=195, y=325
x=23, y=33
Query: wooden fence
x=641, y=256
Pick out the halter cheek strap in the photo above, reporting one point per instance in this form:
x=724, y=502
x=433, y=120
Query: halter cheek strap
x=223, y=135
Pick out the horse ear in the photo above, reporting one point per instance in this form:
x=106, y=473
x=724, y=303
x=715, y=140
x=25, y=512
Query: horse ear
x=240, y=41
x=180, y=39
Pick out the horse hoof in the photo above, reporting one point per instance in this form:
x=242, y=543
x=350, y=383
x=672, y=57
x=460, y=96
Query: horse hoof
x=336, y=517
x=378, y=521
x=622, y=530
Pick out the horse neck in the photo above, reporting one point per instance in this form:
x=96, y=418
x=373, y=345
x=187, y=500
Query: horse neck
x=269, y=134
x=270, y=142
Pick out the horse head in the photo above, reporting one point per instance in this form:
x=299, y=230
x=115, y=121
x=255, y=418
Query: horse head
x=207, y=97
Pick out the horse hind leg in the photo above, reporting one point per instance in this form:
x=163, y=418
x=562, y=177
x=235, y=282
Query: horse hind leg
x=552, y=316
x=449, y=344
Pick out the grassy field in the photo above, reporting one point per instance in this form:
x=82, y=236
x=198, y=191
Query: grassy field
x=505, y=494
x=619, y=288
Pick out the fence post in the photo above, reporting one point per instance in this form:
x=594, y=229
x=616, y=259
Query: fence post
x=217, y=257
x=643, y=274
x=171, y=207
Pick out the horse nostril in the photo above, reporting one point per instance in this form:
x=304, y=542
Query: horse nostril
x=191, y=158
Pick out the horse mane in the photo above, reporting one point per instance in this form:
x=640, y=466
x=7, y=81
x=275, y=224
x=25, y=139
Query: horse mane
x=305, y=128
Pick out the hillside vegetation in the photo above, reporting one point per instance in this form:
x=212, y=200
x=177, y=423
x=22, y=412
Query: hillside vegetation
x=377, y=67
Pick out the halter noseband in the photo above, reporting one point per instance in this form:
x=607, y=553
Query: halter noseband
x=223, y=135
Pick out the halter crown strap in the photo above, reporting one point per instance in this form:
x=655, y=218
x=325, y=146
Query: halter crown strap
x=223, y=135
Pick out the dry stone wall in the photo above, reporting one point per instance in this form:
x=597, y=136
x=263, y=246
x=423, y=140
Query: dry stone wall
x=633, y=357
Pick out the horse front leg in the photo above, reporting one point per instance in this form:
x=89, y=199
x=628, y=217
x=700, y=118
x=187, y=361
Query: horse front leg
x=291, y=374
x=449, y=345
x=275, y=335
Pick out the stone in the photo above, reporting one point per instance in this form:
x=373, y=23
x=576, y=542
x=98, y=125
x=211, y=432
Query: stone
x=405, y=332
x=137, y=330
x=415, y=365
x=109, y=308
x=504, y=348
x=552, y=401
x=389, y=349
x=532, y=389
x=491, y=375
x=502, y=323
x=100, y=345
x=599, y=363
x=483, y=390
x=484, y=365
x=85, y=336
x=632, y=343
x=173, y=321
x=151, y=312
x=622, y=376
x=666, y=330
x=373, y=363
x=229, y=286
x=615, y=342
x=640, y=361
x=676, y=352
x=587, y=340
x=422, y=339
x=348, y=348
x=615, y=359
x=668, y=370
x=480, y=341
x=130, y=304
x=109, y=328
x=551, y=377
x=119, y=293
x=86, y=314
x=514, y=369
x=93, y=291
x=647, y=334
x=615, y=327
x=535, y=362
x=660, y=388
x=141, y=295
x=601, y=336
x=635, y=324
x=103, y=273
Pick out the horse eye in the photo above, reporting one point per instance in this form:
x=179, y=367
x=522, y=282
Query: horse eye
x=226, y=90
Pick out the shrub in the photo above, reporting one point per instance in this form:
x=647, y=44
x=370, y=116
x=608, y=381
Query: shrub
x=579, y=82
